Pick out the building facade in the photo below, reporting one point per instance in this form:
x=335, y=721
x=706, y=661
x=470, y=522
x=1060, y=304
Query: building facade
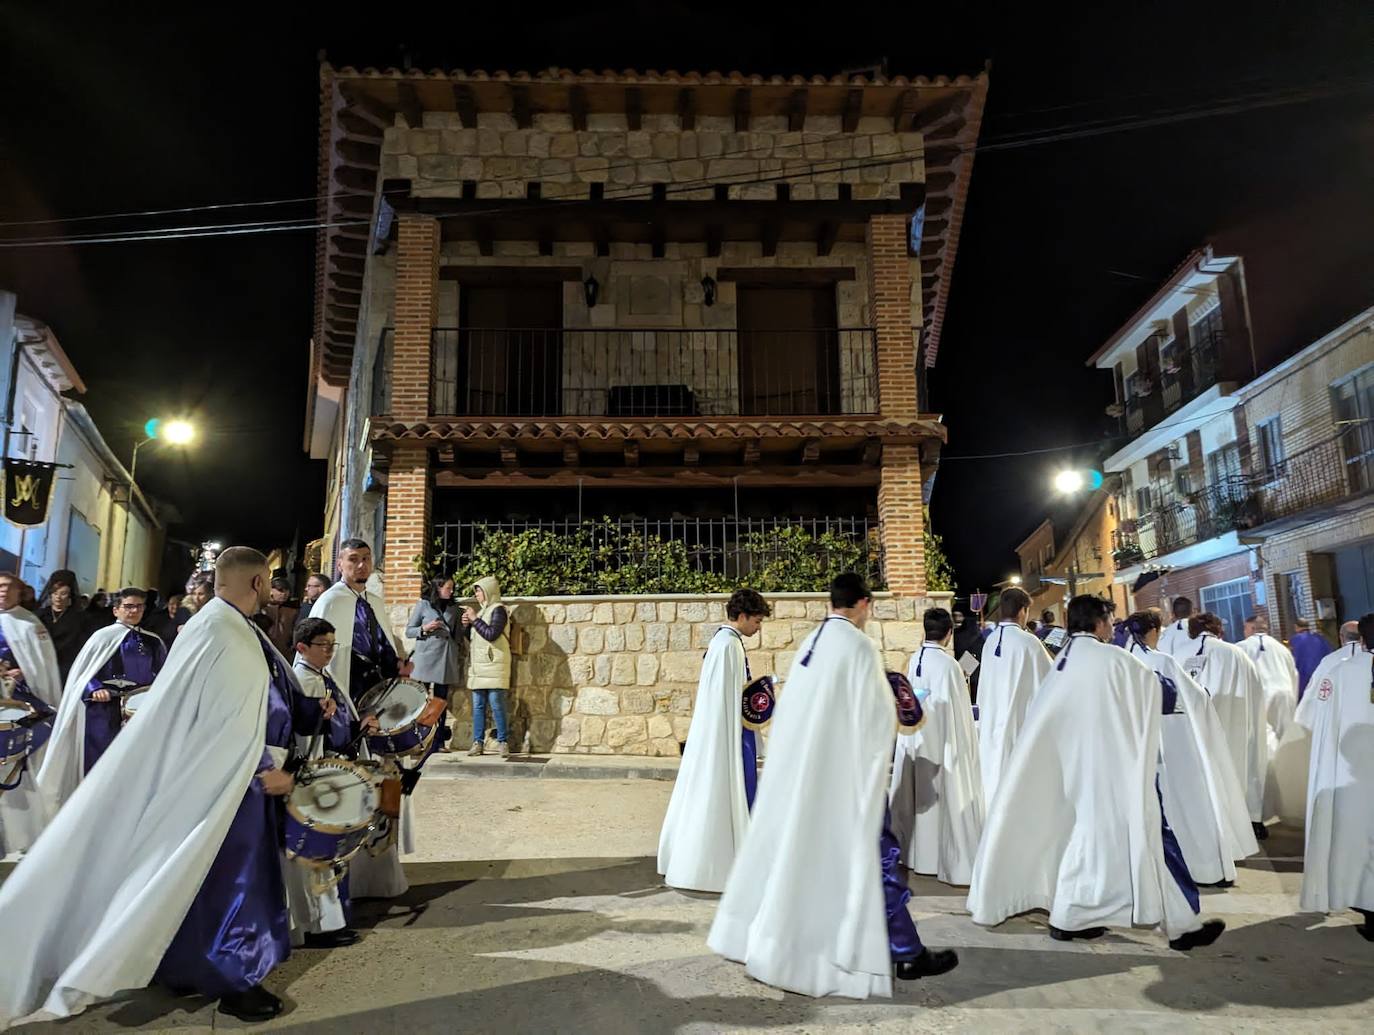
x=98, y=524
x=1241, y=488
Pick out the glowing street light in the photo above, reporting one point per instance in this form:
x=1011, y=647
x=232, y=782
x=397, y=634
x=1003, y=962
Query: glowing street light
x=178, y=432
x=1070, y=481
x=1015, y=580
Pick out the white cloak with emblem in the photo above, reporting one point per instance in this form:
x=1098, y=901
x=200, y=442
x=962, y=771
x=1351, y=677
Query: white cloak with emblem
x=803, y=908
x=1013, y=664
x=1238, y=697
x=1338, y=859
x=936, y=792
x=1174, y=639
x=708, y=814
x=23, y=813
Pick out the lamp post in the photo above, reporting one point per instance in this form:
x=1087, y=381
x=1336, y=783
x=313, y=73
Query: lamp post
x=173, y=432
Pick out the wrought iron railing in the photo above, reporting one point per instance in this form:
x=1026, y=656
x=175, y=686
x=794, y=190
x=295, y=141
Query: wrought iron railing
x=1183, y=376
x=1225, y=506
x=659, y=555
x=623, y=372
x=1338, y=468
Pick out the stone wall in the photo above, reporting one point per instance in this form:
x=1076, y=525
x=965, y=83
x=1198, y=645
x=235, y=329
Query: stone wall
x=618, y=675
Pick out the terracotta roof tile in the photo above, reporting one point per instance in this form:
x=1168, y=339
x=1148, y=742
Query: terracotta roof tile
x=632, y=77
x=438, y=429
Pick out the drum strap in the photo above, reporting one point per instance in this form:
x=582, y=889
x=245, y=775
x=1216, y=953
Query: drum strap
x=20, y=768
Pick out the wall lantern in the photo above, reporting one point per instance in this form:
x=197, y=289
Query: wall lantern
x=591, y=287
x=708, y=290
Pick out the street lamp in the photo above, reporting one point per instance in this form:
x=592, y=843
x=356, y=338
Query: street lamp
x=174, y=432
x=1070, y=481
x=1015, y=580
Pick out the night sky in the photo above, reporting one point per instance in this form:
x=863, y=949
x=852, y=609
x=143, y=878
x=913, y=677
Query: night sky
x=107, y=112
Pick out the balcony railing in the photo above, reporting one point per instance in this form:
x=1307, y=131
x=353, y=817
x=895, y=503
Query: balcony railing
x=1185, y=375
x=636, y=555
x=1342, y=467
x=1176, y=522
x=630, y=373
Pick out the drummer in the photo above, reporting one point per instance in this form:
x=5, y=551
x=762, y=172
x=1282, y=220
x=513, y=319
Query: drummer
x=709, y=810
x=117, y=661
x=319, y=920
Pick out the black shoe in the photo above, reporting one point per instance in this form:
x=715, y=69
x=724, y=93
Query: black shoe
x=256, y=1004
x=1204, y=935
x=1061, y=935
x=928, y=964
x=1366, y=930
x=331, y=939
x=1219, y=884
x=1261, y=831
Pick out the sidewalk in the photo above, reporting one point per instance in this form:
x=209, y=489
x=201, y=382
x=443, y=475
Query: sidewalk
x=457, y=765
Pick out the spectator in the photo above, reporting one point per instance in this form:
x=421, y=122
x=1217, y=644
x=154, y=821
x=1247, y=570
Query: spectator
x=281, y=617
x=1308, y=649
x=314, y=586
x=200, y=591
x=1046, y=624
x=489, y=663
x=99, y=613
x=65, y=622
x=167, y=622
x=437, y=656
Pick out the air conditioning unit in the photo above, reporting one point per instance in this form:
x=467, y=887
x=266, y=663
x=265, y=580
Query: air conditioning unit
x=1326, y=609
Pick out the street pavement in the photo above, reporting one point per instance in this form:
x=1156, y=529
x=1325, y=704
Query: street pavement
x=535, y=907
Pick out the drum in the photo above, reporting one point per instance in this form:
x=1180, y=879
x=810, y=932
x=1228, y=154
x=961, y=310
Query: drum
x=399, y=705
x=910, y=714
x=757, y=703
x=132, y=701
x=23, y=729
x=331, y=811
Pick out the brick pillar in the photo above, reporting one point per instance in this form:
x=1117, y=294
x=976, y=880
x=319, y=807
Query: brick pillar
x=900, y=510
x=889, y=293
x=417, y=302
x=407, y=521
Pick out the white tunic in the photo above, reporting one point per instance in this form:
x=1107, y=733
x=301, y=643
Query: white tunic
x=708, y=813
x=1203, y=798
x=370, y=876
x=1174, y=639
x=1278, y=674
x=1338, y=861
x=803, y=908
x=23, y=812
x=1014, y=663
x=936, y=793
x=104, y=890
x=1238, y=697
x=1077, y=829
x=65, y=764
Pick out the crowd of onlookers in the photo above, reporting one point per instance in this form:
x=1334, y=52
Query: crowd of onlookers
x=71, y=617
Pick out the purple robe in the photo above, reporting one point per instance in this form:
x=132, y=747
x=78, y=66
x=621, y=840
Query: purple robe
x=374, y=658
x=238, y=928
x=139, y=659
x=1308, y=650
x=902, y=939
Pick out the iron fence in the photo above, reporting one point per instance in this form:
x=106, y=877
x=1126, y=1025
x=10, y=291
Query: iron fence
x=641, y=372
x=1328, y=472
x=1223, y=506
x=660, y=555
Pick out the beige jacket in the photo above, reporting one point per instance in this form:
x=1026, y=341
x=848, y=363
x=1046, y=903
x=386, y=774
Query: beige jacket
x=489, y=661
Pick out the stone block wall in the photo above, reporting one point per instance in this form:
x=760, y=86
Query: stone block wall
x=618, y=675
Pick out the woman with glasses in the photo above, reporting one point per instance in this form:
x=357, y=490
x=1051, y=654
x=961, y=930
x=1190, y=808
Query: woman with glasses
x=438, y=656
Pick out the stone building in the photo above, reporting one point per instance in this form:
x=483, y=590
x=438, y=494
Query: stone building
x=703, y=303
x=1078, y=559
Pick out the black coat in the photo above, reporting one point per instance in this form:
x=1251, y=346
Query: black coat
x=69, y=631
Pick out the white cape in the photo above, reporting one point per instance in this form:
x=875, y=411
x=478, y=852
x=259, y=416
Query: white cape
x=65, y=763
x=1203, y=798
x=1238, y=697
x=1338, y=861
x=708, y=814
x=1174, y=639
x=92, y=908
x=23, y=813
x=369, y=876
x=936, y=792
x=1077, y=830
x=803, y=909
x=1278, y=674
x=1014, y=663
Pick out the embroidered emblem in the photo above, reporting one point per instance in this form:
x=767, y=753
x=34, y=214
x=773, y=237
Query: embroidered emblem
x=1324, y=690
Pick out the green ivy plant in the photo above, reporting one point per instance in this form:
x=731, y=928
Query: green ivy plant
x=939, y=572
x=606, y=558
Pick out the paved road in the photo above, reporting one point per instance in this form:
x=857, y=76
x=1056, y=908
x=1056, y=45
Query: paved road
x=539, y=910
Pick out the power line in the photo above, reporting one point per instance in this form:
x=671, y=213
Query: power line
x=1069, y=131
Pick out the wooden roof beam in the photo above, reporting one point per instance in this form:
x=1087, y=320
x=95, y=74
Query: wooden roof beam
x=577, y=107
x=355, y=127
x=369, y=108
x=687, y=108
x=853, y=108
x=796, y=111
x=520, y=106
x=465, y=104
x=741, y=106
x=409, y=103
x=904, y=111
x=634, y=108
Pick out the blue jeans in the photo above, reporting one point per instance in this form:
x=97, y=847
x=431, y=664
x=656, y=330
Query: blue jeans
x=479, y=713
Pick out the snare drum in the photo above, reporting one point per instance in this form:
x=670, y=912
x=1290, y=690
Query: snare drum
x=331, y=811
x=400, y=718
x=132, y=701
x=23, y=729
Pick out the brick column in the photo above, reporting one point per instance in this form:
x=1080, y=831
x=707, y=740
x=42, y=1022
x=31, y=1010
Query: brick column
x=889, y=293
x=901, y=511
x=417, y=302
x=407, y=521
x=408, y=484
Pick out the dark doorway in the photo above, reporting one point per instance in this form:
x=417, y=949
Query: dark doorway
x=510, y=350
x=1354, y=581
x=789, y=357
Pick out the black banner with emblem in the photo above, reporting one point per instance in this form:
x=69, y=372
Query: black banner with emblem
x=28, y=488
